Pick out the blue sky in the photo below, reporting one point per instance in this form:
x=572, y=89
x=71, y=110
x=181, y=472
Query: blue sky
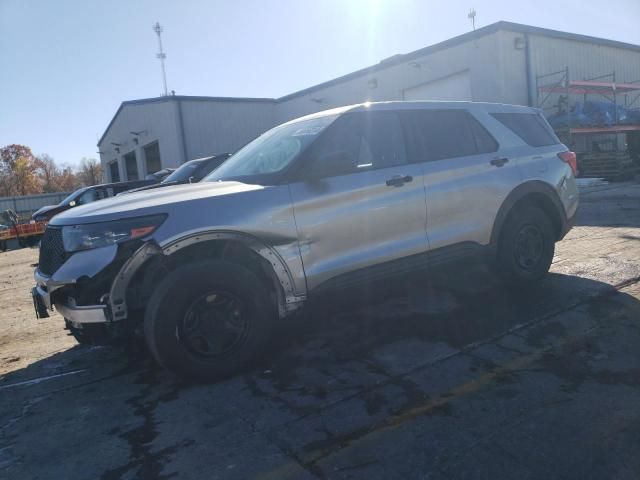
x=65, y=66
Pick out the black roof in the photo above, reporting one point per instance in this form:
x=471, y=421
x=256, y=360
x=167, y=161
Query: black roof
x=394, y=60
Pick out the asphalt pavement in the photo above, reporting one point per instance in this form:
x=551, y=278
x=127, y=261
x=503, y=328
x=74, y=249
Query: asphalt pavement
x=447, y=377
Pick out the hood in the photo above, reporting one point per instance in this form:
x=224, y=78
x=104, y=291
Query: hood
x=152, y=186
x=43, y=211
x=150, y=202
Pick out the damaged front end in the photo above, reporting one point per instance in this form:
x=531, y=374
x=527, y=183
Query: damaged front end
x=87, y=286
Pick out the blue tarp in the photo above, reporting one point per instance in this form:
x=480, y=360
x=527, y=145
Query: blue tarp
x=595, y=114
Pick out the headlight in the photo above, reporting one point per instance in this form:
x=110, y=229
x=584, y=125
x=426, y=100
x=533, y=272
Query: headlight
x=96, y=235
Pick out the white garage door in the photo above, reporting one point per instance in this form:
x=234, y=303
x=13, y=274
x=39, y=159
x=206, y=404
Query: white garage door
x=454, y=87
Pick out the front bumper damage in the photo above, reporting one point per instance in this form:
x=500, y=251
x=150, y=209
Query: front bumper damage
x=80, y=271
x=42, y=293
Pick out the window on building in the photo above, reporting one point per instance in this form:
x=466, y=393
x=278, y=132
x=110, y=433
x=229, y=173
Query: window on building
x=359, y=142
x=530, y=127
x=152, y=157
x=131, y=166
x=114, y=173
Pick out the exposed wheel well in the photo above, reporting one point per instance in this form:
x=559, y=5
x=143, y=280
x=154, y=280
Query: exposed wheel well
x=149, y=275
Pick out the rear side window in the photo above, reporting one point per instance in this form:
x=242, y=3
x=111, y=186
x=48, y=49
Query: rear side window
x=359, y=142
x=444, y=134
x=530, y=127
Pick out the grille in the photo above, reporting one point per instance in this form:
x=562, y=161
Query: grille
x=51, y=251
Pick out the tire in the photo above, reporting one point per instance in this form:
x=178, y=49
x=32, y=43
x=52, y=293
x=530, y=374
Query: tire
x=200, y=305
x=90, y=334
x=526, y=246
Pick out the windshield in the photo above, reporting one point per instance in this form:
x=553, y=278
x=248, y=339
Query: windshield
x=272, y=151
x=183, y=173
x=72, y=197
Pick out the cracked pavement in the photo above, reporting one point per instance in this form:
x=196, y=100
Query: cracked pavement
x=442, y=377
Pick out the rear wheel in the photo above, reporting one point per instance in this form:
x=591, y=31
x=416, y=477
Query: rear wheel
x=526, y=246
x=208, y=320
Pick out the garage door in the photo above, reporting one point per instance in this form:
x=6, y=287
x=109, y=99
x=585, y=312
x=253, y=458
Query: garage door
x=454, y=87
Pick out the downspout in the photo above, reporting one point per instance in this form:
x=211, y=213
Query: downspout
x=181, y=131
x=527, y=61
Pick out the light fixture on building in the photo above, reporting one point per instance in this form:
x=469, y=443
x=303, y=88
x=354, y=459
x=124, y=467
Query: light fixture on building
x=519, y=43
x=372, y=83
x=136, y=135
x=117, y=146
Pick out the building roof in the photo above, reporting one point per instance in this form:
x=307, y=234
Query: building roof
x=173, y=98
x=395, y=60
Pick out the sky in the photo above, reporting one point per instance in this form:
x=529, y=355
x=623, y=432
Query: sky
x=66, y=65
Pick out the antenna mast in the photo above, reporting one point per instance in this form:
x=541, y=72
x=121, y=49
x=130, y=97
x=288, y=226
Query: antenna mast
x=472, y=16
x=161, y=55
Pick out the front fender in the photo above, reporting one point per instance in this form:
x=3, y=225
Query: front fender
x=290, y=300
x=270, y=254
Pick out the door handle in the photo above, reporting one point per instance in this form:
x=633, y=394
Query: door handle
x=499, y=162
x=399, y=180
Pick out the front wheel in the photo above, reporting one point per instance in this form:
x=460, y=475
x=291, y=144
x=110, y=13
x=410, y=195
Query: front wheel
x=526, y=246
x=207, y=320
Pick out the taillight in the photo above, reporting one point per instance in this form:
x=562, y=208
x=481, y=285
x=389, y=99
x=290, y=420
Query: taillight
x=570, y=158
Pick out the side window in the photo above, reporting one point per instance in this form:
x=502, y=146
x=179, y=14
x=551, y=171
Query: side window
x=87, y=197
x=444, y=133
x=485, y=142
x=359, y=142
x=530, y=127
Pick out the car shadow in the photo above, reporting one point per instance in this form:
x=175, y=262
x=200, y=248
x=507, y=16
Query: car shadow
x=456, y=307
x=332, y=351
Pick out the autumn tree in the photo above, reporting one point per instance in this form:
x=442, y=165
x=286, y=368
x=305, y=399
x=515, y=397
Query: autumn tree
x=90, y=172
x=18, y=171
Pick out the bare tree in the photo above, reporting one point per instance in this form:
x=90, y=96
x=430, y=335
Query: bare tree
x=90, y=172
x=48, y=172
x=67, y=180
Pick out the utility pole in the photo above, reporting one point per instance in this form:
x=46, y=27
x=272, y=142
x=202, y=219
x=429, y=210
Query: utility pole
x=472, y=16
x=161, y=55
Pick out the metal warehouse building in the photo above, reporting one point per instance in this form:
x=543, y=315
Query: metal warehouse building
x=498, y=63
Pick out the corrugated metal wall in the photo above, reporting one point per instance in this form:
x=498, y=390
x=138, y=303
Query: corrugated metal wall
x=223, y=127
x=585, y=60
x=496, y=64
x=480, y=57
x=157, y=121
x=31, y=203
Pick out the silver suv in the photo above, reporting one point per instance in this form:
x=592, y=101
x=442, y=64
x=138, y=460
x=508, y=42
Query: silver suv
x=344, y=196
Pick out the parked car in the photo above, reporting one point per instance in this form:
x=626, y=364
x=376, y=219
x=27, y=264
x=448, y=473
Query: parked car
x=160, y=174
x=86, y=195
x=189, y=172
x=329, y=200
